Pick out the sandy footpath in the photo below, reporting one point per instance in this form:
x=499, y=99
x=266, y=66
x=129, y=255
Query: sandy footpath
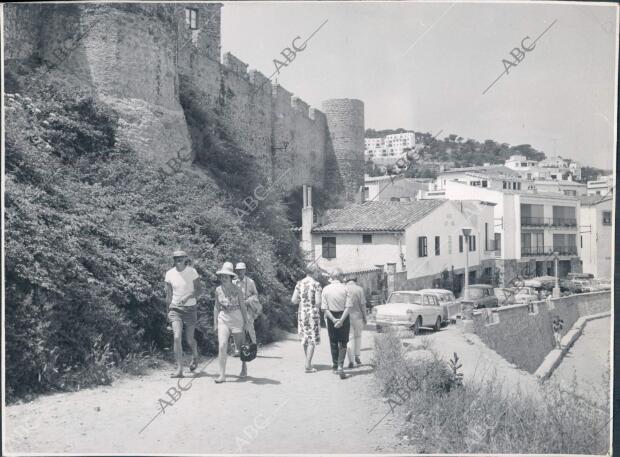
x=277, y=409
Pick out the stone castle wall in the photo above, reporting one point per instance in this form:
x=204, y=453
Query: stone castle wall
x=142, y=59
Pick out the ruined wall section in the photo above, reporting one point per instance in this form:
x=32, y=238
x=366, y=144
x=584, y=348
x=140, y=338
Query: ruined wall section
x=300, y=137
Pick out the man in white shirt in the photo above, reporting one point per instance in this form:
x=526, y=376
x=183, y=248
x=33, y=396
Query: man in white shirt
x=250, y=294
x=336, y=304
x=182, y=288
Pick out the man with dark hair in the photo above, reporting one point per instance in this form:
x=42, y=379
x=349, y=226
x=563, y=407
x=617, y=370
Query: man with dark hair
x=336, y=304
x=182, y=288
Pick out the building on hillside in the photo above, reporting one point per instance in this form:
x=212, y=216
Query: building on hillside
x=392, y=188
x=565, y=187
x=528, y=228
x=422, y=238
x=602, y=185
x=596, y=231
x=487, y=176
x=388, y=146
x=552, y=168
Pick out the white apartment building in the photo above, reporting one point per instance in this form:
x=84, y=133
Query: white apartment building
x=565, y=187
x=596, y=222
x=602, y=185
x=528, y=228
x=389, y=146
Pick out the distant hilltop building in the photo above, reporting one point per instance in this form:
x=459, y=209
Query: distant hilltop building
x=552, y=168
x=388, y=149
x=156, y=63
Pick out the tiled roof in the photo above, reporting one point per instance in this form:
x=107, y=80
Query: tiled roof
x=589, y=200
x=375, y=216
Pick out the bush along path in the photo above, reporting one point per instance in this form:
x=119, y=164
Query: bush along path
x=89, y=230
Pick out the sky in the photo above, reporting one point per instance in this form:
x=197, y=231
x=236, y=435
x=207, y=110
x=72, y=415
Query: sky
x=425, y=66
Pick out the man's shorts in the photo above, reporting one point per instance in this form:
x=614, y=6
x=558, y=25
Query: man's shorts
x=188, y=315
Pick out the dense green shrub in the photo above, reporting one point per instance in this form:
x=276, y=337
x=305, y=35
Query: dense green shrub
x=89, y=230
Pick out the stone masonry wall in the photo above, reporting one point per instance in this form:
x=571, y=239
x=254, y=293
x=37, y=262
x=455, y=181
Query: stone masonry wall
x=139, y=58
x=525, y=338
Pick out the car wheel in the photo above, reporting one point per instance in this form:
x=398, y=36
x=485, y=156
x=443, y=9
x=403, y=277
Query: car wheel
x=438, y=324
x=416, y=327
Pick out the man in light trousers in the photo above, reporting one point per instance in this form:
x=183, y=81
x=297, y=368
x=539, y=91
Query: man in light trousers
x=358, y=321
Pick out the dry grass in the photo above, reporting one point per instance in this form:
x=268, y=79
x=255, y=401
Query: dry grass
x=440, y=415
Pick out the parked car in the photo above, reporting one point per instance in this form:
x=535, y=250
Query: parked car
x=505, y=296
x=526, y=295
x=412, y=309
x=450, y=307
x=478, y=296
x=600, y=284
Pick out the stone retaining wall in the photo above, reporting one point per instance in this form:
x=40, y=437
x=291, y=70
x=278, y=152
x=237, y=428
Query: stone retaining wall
x=523, y=334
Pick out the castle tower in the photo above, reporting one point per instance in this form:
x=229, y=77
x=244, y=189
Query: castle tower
x=345, y=120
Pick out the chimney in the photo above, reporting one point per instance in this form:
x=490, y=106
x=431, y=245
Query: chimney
x=307, y=216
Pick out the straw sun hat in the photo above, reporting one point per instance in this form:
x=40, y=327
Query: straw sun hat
x=227, y=269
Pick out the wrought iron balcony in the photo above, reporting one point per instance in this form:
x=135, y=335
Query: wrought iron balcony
x=528, y=221
x=548, y=250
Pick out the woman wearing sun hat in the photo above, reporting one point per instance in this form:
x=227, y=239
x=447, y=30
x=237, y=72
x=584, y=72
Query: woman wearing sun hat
x=230, y=317
x=182, y=288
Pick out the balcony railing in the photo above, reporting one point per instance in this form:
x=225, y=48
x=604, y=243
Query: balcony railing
x=548, y=250
x=527, y=221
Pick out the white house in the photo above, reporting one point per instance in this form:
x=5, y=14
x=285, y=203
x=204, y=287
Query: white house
x=596, y=222
x=603, y=185
x=423, y=238
x=565, y=187
x=392, y=188
x=488, y=176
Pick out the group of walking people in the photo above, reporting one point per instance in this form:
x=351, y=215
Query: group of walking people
x=344, y=309
x=237, y=306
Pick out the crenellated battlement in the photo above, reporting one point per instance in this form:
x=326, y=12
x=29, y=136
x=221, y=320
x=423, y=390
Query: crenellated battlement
x=164, y=52
x=235, y=65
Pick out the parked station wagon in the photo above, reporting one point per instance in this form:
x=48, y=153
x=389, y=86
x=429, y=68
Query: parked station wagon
x=450, y=307
x=412, y=309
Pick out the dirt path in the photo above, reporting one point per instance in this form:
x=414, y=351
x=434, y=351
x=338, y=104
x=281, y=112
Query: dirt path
x=278, y=409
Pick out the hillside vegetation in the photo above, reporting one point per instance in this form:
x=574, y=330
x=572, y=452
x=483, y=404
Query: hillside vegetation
x=463, y=153
x=90, y=228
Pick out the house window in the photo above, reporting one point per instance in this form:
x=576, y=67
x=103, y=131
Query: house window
x=191, y=18
x=504, y=185
x=581, y=241
x=472, y=243
x=422, y=246
x=485, y=184
x=366, y=195
x=329, y=247
x=606, y=217
x=518, y=186
x=437, y=246
x=460, y=243
x=367, y=239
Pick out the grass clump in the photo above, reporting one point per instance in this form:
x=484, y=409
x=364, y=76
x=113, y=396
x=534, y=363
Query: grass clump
x=443, y=414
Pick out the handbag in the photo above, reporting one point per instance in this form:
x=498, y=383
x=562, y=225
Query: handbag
x=248, y=350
